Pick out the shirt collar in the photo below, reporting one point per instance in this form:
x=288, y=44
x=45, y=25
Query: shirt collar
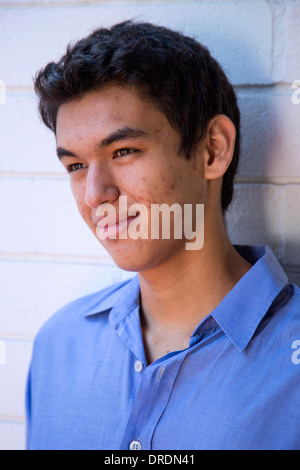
x=243, y=308
x=122, y=298
x=238, y=314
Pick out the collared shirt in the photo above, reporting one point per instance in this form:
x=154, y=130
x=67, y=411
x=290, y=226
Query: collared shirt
x=236, y=386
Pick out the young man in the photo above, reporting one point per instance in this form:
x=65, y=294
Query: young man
x=196, y=351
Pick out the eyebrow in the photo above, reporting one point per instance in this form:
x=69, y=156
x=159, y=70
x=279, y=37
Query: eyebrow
x=125, y=133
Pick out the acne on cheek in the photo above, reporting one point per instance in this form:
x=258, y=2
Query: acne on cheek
x=169, y=186
x=145, y=196
x=142, y=191
x=147, y=199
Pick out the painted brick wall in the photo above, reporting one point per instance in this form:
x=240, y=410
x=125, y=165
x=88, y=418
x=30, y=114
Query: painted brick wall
x=47, y=256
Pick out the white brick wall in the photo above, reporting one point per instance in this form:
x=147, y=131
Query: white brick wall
x=48, y=259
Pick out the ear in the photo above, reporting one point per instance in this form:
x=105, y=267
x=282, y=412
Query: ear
x=220, y=140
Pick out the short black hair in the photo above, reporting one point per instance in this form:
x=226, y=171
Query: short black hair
x=175, y=71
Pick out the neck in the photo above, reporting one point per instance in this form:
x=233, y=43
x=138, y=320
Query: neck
x=177, y=295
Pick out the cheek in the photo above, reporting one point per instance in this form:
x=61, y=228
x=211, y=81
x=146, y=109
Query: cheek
x=142, y=188
x=169, y=185
x=157, y=190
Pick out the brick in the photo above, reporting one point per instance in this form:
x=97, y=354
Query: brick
x=280, y=32
x=267, y=214
x=12, y=436
x=45, y=287
x=292, y=41
x=270, y=133
x=291, y=224
x=294, y=277
x=26, y=144
x=41, y=216
x=13, y=377
x=256, y=216
x=238, y=34
x=2, y=353
x=84, y=2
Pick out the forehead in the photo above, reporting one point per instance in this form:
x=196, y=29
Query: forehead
x=100, y=113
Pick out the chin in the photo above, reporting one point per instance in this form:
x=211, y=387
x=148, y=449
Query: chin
x=128, y=258
x=139, y=255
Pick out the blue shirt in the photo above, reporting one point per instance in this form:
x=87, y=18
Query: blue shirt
x=236, y=386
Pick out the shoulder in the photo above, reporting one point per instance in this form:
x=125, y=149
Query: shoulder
x=280, y=330
x=288, y=309
x=281, y=325
x=284, y=314
x=72, y=316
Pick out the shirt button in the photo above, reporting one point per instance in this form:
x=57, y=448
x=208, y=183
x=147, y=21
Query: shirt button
x=138, y=367
x=135, y=445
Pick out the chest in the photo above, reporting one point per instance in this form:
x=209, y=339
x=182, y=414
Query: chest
x=206, y=397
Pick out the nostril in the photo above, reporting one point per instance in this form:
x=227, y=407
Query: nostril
x=98, y=193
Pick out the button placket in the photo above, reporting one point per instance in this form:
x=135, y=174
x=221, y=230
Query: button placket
x=150, y=401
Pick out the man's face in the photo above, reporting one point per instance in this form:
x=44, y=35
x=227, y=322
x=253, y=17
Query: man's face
x=115, y=144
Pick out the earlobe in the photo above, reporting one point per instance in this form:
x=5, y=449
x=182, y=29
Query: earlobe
x=220, y=140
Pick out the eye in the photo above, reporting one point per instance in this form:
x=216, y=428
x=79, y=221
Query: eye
x=75, y=167
x=124, y=152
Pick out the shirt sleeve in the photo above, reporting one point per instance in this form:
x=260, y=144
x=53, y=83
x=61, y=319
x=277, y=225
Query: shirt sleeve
x=28, y=410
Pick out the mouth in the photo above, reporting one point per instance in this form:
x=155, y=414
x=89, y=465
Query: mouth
x=113, y=228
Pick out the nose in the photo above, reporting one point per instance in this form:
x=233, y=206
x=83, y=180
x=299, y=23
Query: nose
x=100, y=186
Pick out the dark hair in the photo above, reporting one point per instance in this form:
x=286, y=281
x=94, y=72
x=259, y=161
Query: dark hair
x=176, y=72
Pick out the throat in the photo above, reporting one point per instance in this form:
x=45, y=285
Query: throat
x=160, y=343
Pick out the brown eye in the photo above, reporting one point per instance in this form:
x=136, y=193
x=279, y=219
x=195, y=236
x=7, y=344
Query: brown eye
x=75, y=167
x=124, y=152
